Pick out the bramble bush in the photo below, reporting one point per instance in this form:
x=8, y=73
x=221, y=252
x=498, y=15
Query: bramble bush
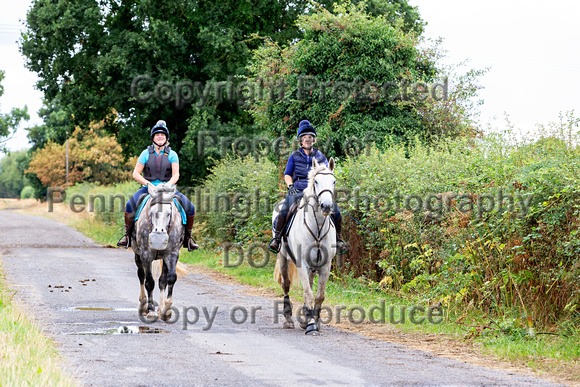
x=510, y=258
x=496, y=228
x=237, y=198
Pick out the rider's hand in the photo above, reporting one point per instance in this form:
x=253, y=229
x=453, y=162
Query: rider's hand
x=292, y=190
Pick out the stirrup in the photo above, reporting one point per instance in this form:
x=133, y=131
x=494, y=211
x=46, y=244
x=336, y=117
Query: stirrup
x=341, y=247
x=126, y=244
x=272, y=249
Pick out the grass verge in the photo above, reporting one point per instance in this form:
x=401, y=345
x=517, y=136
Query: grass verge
x=27, y=357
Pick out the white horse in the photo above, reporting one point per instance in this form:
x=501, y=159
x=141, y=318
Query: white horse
x=310, y=247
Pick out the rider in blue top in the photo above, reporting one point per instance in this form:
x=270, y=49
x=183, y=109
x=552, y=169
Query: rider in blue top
x=296, y=178
x=159, y=164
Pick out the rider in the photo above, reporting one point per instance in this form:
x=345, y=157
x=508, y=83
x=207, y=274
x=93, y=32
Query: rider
x=296, y=178
x=159, y=164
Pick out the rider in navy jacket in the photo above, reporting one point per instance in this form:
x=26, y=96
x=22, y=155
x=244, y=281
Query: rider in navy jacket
x=296, y=178
x=158, y=164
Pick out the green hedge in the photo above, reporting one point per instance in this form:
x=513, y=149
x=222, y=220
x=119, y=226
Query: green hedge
x=459, y=247
x=466, y=250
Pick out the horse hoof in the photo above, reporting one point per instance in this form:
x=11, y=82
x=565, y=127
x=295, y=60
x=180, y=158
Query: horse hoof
x=312, y=330
x=166, y=314
x=288, y=325
x=152, y=317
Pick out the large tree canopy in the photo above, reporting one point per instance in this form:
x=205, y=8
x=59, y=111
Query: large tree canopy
x=101, y=58
x=9, y=122
x=352, y=74
x=12, y=178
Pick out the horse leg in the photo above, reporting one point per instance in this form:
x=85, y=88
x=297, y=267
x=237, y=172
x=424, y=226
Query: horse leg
x=323, y=275
x=170, y=270
x=307, y=321
x=162, y=286
x=311, y=278
x=141, y=275
x=286, y=282
x=149, y=286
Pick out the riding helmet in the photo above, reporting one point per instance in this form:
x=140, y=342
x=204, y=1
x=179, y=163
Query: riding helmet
x=305, y=128
x=160, y=127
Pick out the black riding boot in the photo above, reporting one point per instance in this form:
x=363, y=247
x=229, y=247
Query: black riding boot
x=341, y=246
x=125, y=241
x=274, y=244
x=188, y=241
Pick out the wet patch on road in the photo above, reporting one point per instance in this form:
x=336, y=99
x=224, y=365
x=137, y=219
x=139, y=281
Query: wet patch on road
x=122, y=330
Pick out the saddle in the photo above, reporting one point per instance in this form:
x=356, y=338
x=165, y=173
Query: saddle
x=289, y=219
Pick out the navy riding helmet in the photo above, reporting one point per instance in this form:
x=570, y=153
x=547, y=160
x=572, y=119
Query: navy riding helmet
x=160, y=127
x=305, y=128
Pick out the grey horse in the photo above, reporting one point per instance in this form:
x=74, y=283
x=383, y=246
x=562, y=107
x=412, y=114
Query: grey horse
x=159, y=234
x=310, y=247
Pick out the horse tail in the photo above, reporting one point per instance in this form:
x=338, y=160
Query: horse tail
x=180, y=269
x=156, y=268
x=277, y=274
x=292, y=273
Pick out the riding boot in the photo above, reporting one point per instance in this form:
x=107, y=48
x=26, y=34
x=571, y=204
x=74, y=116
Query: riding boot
x=274, y=244
x=125, y=241
x=341, y=245
x=188, y=241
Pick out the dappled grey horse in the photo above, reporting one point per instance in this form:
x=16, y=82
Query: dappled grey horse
x=310, y=247
x=158, y=234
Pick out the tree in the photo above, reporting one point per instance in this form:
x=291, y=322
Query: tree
x=358, y=78
x=9, y=122
x=93, y=157
x=56, y=127
x=12, y=178
x=100, y=57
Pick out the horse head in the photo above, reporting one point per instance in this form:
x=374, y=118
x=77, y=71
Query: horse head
x=160, y=215
x=322, y=184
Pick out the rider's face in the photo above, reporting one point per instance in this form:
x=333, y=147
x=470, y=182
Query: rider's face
x=159, y=139
x=306, y=141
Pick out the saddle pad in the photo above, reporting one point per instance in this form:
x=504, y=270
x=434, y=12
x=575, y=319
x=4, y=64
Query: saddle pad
x=177, y=204
x=291, y=215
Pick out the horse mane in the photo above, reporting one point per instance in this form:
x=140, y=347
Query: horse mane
x=311, y=175
x=164, y=194
x=310, y=188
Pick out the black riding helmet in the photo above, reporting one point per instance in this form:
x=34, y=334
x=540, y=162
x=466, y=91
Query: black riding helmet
x=160, y=127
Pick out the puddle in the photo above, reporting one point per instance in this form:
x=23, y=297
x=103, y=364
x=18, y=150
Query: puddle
x=123, y=330
x=140, y=329
x=99, y=309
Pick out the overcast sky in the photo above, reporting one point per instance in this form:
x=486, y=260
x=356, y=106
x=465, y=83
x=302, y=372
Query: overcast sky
x=531, y=48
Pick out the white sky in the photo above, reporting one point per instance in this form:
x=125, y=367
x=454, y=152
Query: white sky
x=18, y=82
x=532, y=48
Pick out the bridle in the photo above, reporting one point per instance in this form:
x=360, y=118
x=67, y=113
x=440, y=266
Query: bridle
x=172, y=217
x=319, y=228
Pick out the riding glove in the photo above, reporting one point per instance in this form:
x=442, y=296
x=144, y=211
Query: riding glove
x=292, y=190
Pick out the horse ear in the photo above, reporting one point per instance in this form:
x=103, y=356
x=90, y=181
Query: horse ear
x=331, y=164
x=314, y=163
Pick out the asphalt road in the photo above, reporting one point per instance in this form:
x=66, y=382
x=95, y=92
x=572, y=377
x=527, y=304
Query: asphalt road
x=86, y=298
